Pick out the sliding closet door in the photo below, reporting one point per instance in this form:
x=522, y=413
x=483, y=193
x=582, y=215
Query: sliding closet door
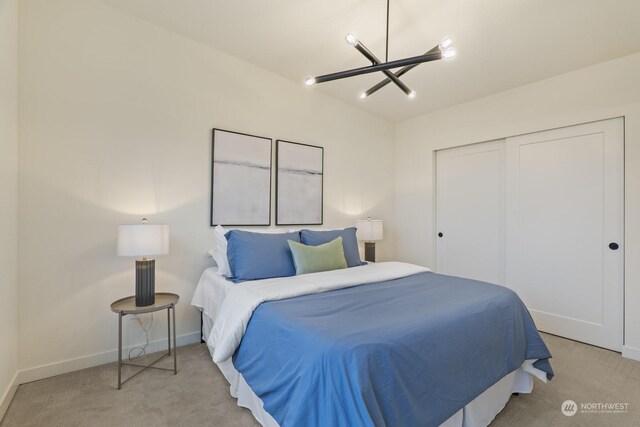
x=565, y=246
x=470, y=211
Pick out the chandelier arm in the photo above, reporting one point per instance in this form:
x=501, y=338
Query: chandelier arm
x=390, y=76
x=414, y=60
x=386, y=54
x=398, y=73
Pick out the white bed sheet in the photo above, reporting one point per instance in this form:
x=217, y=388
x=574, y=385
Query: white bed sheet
x=211, y=292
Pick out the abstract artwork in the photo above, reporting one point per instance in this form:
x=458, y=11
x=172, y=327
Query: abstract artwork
x=240, y=179
x=299, y=184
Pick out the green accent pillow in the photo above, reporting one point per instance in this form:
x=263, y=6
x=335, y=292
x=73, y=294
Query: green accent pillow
x=312, y=259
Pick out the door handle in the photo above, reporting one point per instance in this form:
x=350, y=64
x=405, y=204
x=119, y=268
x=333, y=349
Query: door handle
x=440, y=234
x=613, y=246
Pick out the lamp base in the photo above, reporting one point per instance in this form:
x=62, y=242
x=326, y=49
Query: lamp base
x=370, y=251
x=145, y=282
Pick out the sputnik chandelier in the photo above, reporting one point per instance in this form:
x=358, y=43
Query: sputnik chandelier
x=444, y=50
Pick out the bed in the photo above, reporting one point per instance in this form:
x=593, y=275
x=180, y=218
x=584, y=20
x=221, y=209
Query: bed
x=381, y=344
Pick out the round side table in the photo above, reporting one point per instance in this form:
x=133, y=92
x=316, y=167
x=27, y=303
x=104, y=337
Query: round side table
x=128, y=305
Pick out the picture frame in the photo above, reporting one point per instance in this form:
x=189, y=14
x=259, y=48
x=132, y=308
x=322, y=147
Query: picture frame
x=299, y=183
x=240, y=179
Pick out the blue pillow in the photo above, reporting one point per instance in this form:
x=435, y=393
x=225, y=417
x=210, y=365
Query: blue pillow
x=259, y=255
x=349, y=242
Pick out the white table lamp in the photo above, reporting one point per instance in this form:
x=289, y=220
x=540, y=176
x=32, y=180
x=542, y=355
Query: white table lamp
x=144, y=240
x=369, y=230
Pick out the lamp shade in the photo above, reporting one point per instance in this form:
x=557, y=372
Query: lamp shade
x=143, y=240
x=369, y=230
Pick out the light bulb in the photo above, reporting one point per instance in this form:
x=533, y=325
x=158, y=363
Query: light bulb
x=411, y=95
x=351, y=39
x=449, y=53
x=445, y=43
x=363, y=95
x=309, y=81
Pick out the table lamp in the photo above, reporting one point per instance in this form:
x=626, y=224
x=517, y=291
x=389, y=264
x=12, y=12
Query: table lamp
x=369, y=230
x=144, y=240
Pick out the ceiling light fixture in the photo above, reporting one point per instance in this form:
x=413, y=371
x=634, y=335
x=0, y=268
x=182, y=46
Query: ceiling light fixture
x=444, y=50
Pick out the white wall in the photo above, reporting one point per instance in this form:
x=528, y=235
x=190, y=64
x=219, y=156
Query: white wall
x=8, y=200
x=115, y=123
x=599, y=92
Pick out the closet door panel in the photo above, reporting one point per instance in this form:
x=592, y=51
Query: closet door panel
x=564, y=208
x=470, y=211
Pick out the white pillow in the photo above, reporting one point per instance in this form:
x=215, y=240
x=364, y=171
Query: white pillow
x=219, y=253
x=214, y=254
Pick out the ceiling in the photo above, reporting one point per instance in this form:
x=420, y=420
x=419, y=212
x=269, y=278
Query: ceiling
x=501, y=44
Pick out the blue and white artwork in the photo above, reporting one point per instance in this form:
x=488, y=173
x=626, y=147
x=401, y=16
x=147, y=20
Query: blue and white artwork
x=299, y=184
x=240, y=179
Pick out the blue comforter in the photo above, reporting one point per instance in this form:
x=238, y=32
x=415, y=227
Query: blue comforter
x=405, y=352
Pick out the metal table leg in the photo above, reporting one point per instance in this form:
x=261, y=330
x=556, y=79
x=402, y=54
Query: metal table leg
x=168, y=331
x=119, y=350
x=175, y=351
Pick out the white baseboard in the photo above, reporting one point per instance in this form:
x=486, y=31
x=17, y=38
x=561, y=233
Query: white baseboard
x=631, y=352
x=84, y=362
x=7, y=396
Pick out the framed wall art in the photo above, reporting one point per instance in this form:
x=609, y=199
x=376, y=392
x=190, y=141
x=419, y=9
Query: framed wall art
x=299, y=183
x=240, y=179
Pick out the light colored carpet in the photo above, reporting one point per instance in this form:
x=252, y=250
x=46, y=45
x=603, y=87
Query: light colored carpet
x=199, y=394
